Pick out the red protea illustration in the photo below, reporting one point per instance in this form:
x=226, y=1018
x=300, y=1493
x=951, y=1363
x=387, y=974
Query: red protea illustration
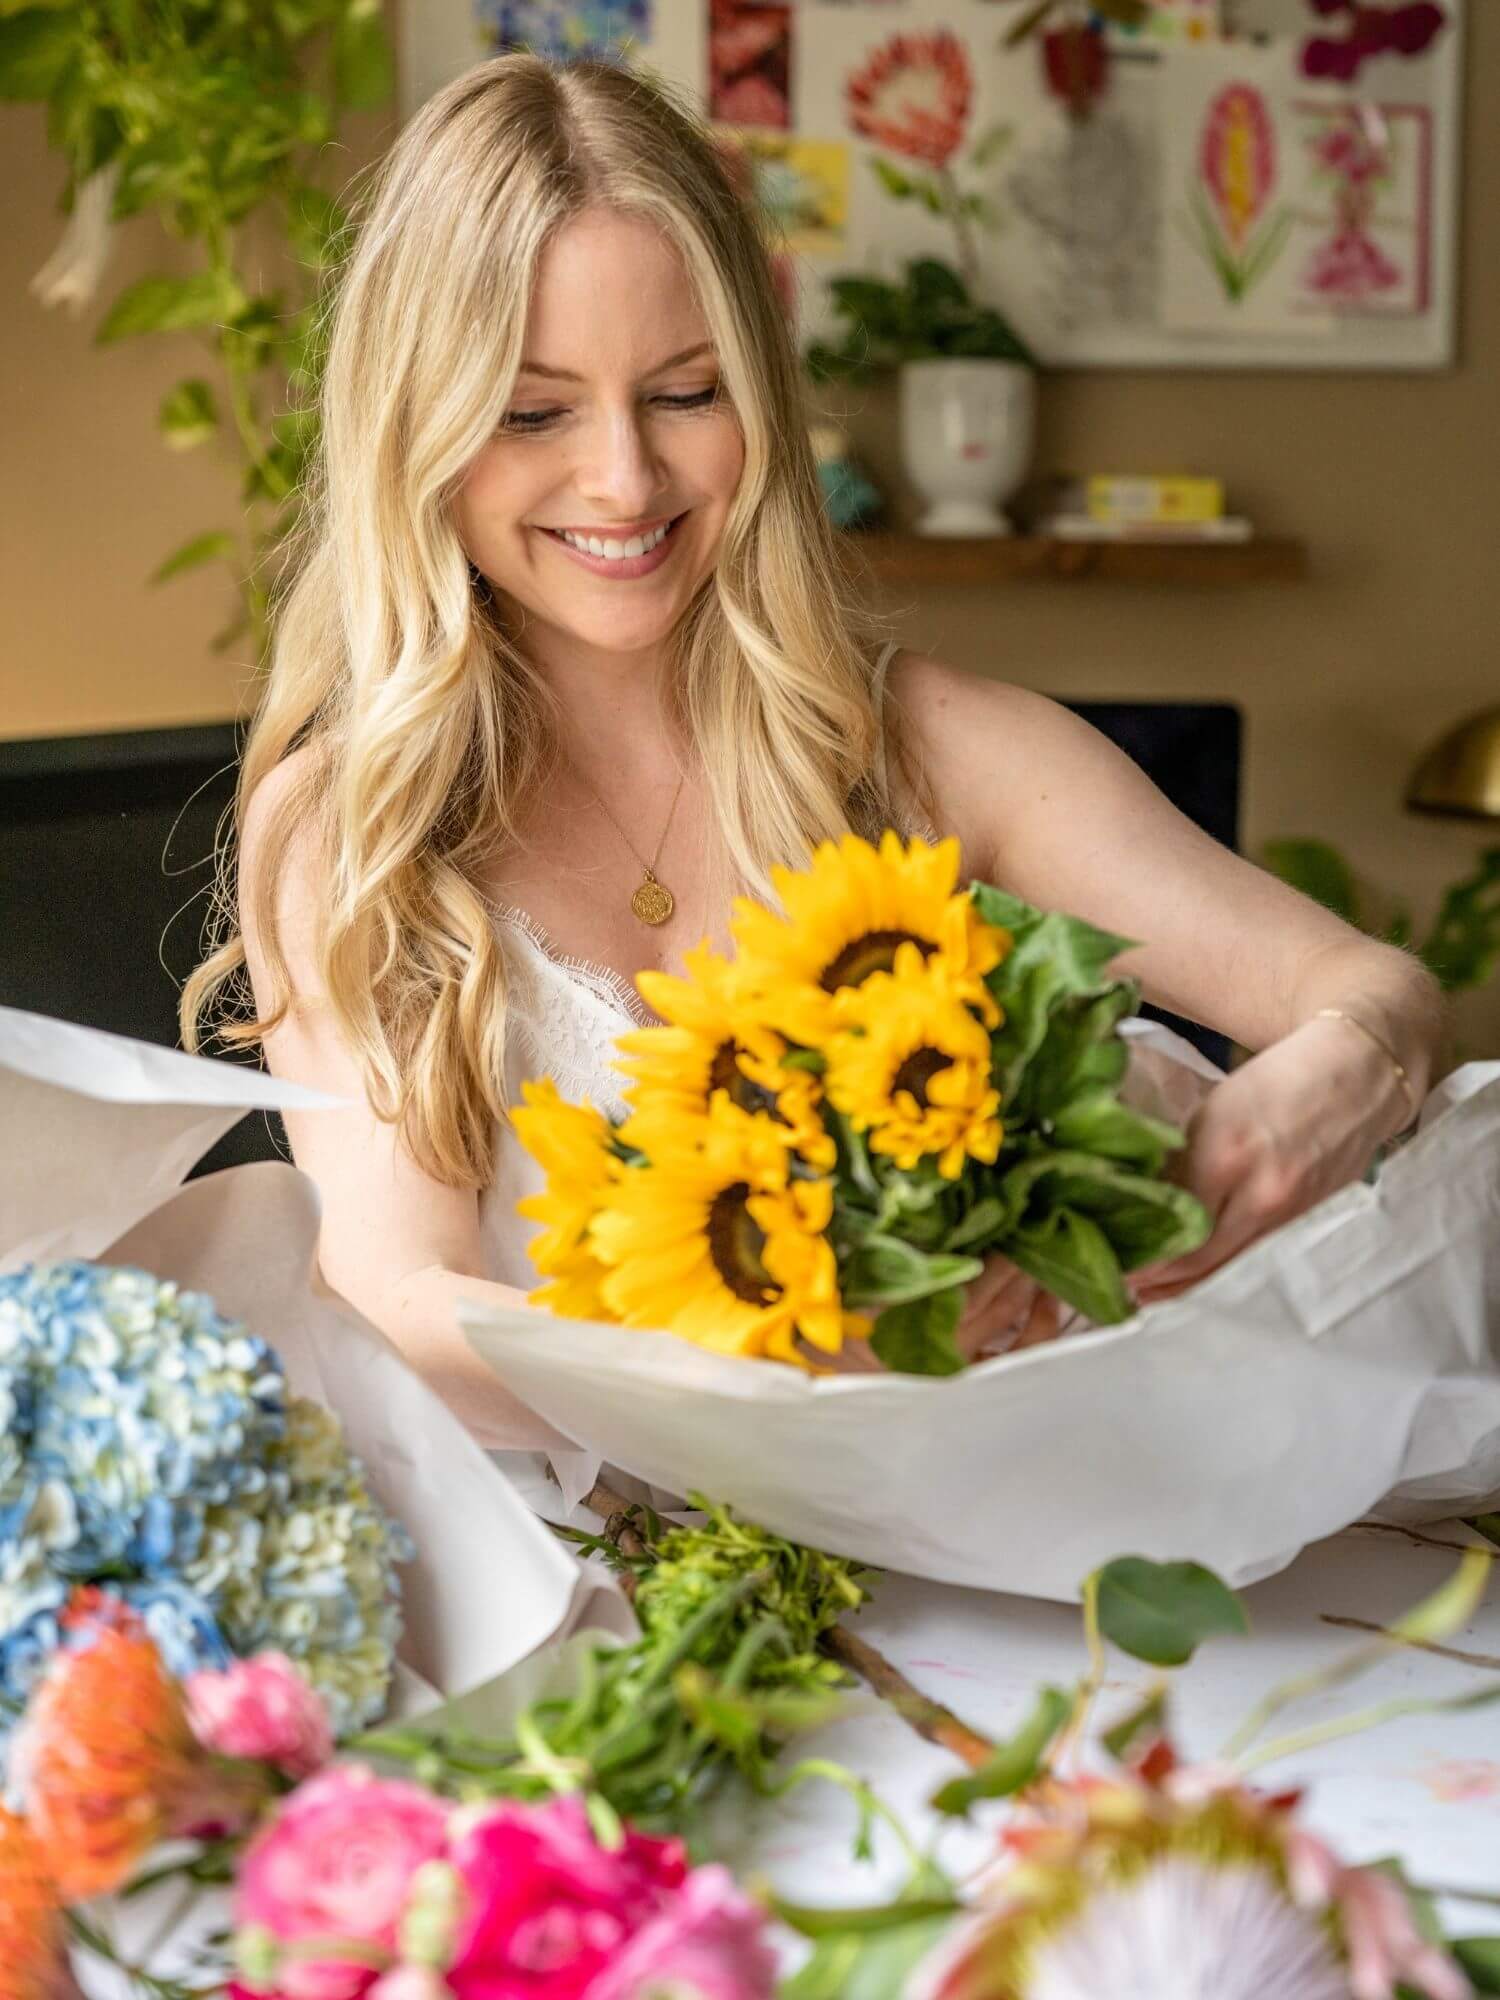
x=913, y=96
x=1237, y=158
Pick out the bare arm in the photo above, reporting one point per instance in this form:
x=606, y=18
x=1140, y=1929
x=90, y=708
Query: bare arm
x=399, y=1245
x=1050, y=809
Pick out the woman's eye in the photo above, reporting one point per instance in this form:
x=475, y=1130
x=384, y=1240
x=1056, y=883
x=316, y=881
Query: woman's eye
x=536, y=420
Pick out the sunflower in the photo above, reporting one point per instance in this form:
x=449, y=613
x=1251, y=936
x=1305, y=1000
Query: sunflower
x=716, y=1039
x=571, y=1143
x=909, y=1063
x=846, y=915
x=717, y=1240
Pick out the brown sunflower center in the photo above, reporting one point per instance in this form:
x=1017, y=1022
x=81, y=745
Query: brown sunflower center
x=920, y=1067
x=724, y=1073
x=735, y=1242
x=873, y=951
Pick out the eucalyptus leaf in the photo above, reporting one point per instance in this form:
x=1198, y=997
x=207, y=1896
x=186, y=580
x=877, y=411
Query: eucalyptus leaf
x=1162, y=1612
x=1015, y=1762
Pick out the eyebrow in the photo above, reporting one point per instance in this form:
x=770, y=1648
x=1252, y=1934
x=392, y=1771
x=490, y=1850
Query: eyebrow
x=672, y=361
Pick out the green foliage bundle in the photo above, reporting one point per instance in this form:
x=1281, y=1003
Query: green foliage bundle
x=1462, y=948
x=929, y=315
x=214, y=115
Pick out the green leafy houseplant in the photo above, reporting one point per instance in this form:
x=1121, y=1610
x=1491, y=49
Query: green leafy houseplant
x=1462, y=948
x=214, y=115
x=928, y=315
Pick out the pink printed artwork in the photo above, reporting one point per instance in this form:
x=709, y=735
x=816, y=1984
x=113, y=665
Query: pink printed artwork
x=913, y=96
x=750, y=60
x=1368, y=172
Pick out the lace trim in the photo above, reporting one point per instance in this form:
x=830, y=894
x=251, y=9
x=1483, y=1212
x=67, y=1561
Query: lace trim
x=604, y=979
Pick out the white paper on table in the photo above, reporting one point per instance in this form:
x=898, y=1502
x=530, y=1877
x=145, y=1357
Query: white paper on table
x=1345, y=1361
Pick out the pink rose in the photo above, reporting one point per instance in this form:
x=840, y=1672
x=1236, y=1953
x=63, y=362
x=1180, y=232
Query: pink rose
x=708, y=1941
x=549, y=1908
x=337, y=1862
x=262, y=1709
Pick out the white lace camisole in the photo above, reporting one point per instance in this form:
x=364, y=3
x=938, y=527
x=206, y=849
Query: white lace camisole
x=562, y=1018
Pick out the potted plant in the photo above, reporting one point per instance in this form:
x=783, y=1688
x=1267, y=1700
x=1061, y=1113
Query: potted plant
x=968, y=383
x=968, y=389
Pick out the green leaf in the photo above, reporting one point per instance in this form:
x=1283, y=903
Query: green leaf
x=1147, y=1719
x=35, y=48
x=364, y=75
x=1317, y=870
x=1069, y=1255
x=1099, y=1123
x=188, y=415
x=980, y=1226
x=917, y=1338
x=875, y=1967
x=1480, y=1959
x=991, y=143
x=1463, y=946
x=1162, y=1612
x=1015, y=1762
x=1451, y=1605
x=891, y=178
x=935, y=287
x=884, y=1271
x=860, y=1920
x=192, y=555
x=164, y=305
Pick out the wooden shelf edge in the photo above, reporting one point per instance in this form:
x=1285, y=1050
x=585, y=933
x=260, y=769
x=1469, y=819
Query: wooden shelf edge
x=908, y=559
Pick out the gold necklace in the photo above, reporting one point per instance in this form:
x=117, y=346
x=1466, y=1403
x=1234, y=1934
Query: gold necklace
x=653, y=902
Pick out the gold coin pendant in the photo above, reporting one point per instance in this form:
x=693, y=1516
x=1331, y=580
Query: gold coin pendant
x=652, y=903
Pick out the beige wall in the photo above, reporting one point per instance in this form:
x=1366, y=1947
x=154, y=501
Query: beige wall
x=1392, y=481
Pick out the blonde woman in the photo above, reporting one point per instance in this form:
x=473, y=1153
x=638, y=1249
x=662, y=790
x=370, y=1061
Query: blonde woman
x=565, y=661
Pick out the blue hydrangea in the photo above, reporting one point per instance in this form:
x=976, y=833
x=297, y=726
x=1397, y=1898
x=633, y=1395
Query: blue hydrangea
x=149, y=1445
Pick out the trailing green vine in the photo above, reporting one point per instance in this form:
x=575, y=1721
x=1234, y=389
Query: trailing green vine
x=216, y=117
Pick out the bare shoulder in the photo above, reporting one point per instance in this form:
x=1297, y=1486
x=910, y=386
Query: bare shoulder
x=989, y=752
x=277, y=860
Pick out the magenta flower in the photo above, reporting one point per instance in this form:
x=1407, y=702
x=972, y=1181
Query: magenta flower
x=262, y=1709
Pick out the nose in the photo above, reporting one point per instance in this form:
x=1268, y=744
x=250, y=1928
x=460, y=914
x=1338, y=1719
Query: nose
x=621, y=472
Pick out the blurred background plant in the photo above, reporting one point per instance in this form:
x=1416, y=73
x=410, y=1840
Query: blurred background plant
x=216, y=116
x=929, y=315
x=1462, y=947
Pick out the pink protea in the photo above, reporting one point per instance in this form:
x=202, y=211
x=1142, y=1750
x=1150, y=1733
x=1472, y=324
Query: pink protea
x=338, y=1863
x=913, y=96
x=264, y=1709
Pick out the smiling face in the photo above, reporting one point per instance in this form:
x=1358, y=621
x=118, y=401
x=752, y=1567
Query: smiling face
x=599, y=504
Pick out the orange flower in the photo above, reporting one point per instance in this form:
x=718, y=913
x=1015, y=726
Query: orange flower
x=913, y=96
x=33, y=1959
x=106, y=1761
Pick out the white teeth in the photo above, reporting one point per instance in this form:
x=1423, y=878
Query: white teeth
x=613, y=551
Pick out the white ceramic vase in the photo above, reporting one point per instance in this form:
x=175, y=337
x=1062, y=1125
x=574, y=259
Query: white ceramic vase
x=967, y=431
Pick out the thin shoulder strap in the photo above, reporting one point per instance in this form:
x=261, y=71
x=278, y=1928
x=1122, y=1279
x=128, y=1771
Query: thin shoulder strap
x=877, y=702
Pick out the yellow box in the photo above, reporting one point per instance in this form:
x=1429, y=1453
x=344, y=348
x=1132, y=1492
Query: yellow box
x=1153, y=498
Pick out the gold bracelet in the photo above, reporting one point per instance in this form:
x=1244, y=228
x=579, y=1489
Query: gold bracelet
x=1338, y=1014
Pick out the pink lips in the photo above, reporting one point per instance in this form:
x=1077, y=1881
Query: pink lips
x=621, y=569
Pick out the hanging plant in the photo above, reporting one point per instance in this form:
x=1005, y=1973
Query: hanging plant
x=213, y=115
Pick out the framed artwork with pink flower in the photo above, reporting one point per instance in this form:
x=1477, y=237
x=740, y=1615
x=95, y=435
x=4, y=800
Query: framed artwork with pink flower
x=1228, y=184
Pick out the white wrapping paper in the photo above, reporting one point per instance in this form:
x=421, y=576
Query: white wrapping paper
x=1350, y=1359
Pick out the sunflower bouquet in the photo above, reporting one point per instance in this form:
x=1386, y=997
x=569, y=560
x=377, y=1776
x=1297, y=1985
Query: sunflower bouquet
x=891, y=1079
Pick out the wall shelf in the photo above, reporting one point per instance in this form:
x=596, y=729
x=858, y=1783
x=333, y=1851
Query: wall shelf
x=924, y=559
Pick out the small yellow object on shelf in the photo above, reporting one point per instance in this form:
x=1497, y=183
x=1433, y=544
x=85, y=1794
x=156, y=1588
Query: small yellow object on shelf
x=1153, y=499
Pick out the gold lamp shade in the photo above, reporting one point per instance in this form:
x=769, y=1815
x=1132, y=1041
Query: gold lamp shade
x=1460, y=774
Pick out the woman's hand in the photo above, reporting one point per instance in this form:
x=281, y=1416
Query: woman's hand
x=1004, y=1310
x=1281, y=1133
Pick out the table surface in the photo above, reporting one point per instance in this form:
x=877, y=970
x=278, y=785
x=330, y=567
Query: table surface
x=1425, y=1787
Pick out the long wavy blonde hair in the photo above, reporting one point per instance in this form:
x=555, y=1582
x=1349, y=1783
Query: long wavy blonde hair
x=421, y=724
